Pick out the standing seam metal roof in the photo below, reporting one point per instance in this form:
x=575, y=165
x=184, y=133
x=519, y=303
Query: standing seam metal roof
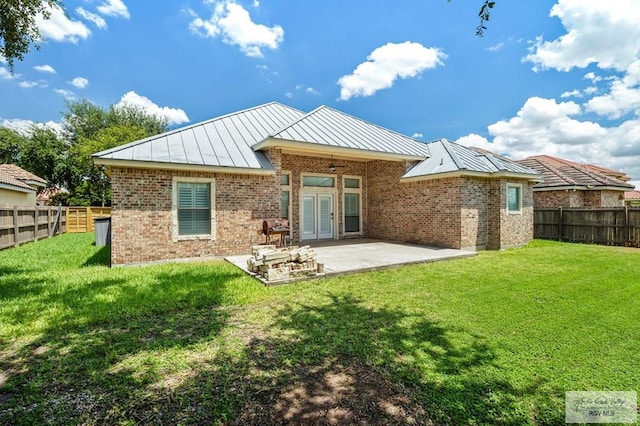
x=448, y=157
x=224, y=141
x=330, y=127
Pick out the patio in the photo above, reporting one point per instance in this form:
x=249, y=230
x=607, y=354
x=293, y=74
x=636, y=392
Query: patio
x=360, y=255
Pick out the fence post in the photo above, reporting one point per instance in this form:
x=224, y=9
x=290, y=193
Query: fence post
x=89, y=219
x=627, y=230
x=16, y=226
x=559, y=223
x=36, y=218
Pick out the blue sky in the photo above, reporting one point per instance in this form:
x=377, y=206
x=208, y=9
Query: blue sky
x=549, y=77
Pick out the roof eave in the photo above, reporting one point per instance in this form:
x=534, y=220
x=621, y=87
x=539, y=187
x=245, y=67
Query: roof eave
x=16, y=188
x=580, y=188
x=471, y=173
x=183, y=167
x=314, y=148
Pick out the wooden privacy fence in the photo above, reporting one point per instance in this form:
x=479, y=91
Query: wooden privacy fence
x=80, y=219
x=22, y=224
x=610, y=226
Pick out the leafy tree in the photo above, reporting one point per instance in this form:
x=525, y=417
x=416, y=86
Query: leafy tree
x=43, y=153
x=11, y=143
x=88, y=129
x=18, y=28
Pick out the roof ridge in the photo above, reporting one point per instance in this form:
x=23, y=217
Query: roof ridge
x=446, y=144
x=293, y=123
x=190, y=126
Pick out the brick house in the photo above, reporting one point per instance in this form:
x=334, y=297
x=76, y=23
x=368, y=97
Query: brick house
x=570, y=184
x=204, y=190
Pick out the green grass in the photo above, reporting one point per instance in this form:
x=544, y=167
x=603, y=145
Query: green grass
x=494, y=339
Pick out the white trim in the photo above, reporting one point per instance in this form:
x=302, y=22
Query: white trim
x=174, y=208
x=15, y=188
x=182, y=167
x=310, y=148
x=467, y=173
x=346, y=191
x=520, y=195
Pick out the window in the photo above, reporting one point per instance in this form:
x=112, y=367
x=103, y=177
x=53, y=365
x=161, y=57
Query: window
x=318, y=181
x=193, y=208
x=352, y=205
x=285, y=184
x=514, y=198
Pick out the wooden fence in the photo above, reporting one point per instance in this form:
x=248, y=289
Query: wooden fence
x=21, y=224
x=610, y=226
x=80, y=219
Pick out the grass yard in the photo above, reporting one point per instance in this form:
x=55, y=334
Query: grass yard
x=494, y=339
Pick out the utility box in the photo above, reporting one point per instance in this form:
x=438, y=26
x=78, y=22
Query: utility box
x=102, y=227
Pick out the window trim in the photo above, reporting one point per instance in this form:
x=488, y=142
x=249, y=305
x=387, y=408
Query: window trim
x=346, y=191
x=286, y=188
x=331, y=189
x=174, y=208
x=518, y=186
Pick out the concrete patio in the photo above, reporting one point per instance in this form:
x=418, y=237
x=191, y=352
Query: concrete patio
x=360, y=255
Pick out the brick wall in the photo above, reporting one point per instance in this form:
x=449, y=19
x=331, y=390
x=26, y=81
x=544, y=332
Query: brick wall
x=516, y=229
x=141, y=215
x=426, y=212
x=298, y=165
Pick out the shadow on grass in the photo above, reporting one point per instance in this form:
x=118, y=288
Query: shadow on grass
x=94, y=357
x=340, y=362
x=100, y=258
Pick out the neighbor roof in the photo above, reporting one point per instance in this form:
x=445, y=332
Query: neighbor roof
x=632, y=195
x=328, y=128
x=17, y=177
x=564, y=174
x=449, y=158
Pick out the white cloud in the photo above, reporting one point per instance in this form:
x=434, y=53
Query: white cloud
x=543, y=126
x=173, y=115
x=79, y=82
x=60, y=28
x=386, y=64
x=495, y=47
x=590, y=90
x=3, y=60
x=67, y=94
x=623, y=96
x=417, y=135
x=114, y=8
x=5, y=74
x=289, y=95
x=311, y=91
x=604, y=33
x=233, y=23
x=591, y=76
x=92, y=17
x=45, y=68
x=24, y=126
x=29, y=84
x=574, y=93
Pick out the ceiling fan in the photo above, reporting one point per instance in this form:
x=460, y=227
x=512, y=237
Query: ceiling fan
x=333, y=166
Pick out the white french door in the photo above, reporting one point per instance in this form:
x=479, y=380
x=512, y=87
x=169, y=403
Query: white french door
x=317, y=216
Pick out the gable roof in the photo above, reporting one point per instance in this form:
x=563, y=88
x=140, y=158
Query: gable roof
x=564, y=174
x=221, y=142
x=632, y=195
x=327, y=129
x=449, y=158
x=19, y=179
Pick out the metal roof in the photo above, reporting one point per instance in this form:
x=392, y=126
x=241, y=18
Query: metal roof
x=224, y=141
x=558, y=172
x=332, y=128
x=450, y=157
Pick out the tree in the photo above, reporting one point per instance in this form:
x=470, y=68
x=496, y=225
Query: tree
x=11, y=143
x=484, y=14
x=88, y=129
x=18, y=27
x=43, y=153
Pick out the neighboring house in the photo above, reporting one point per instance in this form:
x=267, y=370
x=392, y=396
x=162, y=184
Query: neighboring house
x=632, y=198
x=570, y=184
x=18, y=187
x=204, y=190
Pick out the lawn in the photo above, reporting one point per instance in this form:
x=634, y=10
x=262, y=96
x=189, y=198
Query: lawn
x=493, y=339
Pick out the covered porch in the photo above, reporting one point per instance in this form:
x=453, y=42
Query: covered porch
x=366, y=254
